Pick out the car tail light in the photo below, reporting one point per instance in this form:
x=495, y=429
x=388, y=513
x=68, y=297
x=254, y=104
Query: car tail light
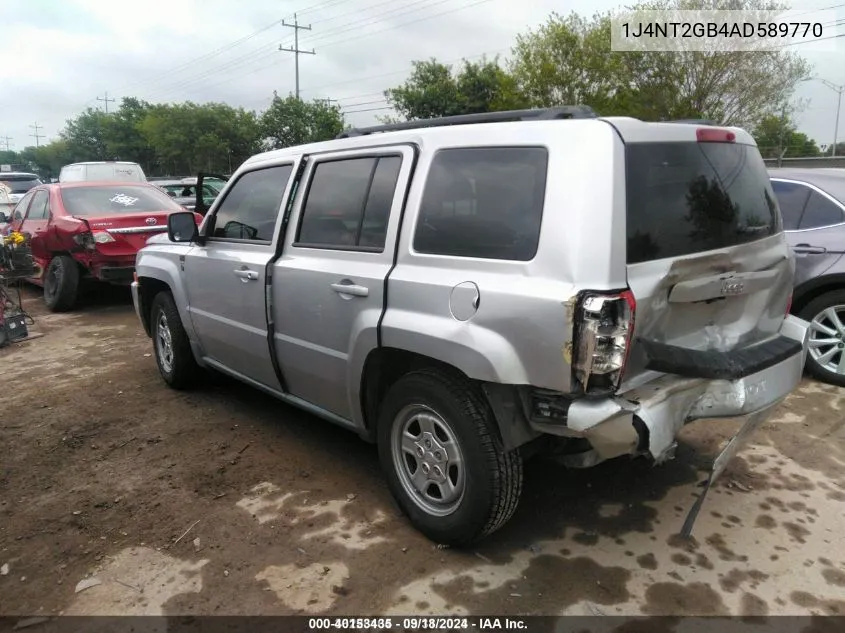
x=103, y=237
x=714, y=135
x=604, y=327
x=89, y=240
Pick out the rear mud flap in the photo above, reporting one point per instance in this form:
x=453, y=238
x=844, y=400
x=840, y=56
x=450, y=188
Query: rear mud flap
x=734, y=445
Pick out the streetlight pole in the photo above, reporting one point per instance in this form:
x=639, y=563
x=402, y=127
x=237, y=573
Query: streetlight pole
x=838, y=90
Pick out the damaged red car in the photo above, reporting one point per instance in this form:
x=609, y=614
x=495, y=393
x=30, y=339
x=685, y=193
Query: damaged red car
x=89, y=231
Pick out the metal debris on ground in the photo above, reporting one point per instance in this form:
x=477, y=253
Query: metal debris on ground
x=4, y=570
x=87, y=583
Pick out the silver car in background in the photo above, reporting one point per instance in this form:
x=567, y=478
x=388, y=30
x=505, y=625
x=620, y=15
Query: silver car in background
x=812, y=203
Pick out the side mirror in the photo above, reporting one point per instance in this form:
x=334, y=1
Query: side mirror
x=182, y=227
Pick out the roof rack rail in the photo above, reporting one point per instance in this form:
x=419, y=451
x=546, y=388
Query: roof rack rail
x=533, y=114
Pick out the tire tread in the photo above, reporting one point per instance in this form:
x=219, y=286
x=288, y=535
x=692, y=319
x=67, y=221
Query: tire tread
x=505, y=467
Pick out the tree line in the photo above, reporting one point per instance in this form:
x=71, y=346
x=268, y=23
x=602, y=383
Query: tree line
x=566, y=60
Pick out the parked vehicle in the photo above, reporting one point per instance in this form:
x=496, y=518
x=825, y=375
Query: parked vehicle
x=88, y=231
x=465, y=291
x=185, y=193
x=812, y=202
x=100, y=171
x=13, y=186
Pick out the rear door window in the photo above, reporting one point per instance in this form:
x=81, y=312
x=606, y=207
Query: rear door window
x=820, y=212
x=483, y=203
x=348, y=203
x=792, y=198
x=39, y=210
x=686, y=198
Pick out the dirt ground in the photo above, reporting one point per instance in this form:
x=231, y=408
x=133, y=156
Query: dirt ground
x=120, y=496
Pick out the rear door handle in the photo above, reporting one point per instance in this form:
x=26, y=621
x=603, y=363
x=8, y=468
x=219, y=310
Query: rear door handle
x=808, y=249
x=351, y=289
x=246, y=275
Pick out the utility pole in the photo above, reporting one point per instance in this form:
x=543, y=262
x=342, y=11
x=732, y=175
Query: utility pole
x=295, y=49
x=6, y=144
x=106, y=100
x=37, y=136
x=839, y=90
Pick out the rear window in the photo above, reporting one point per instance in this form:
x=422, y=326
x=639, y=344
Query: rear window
x=483, y=202
x=20, y=184
x=115, y=200
x=686, y=198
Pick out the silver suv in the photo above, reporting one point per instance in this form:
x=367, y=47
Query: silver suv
x=462, y=291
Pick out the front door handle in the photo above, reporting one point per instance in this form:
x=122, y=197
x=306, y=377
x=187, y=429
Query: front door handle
x=351, y=289
x=246, y=275
x=807, y=249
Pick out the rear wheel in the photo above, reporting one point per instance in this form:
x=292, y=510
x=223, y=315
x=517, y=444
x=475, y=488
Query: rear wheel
x=61, y=283
x=826, y=354
x=173, y=354
x=444, y=464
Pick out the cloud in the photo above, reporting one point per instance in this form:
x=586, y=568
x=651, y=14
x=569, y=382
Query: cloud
x=66, y=54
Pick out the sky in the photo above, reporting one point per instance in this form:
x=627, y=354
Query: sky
x=62, y=55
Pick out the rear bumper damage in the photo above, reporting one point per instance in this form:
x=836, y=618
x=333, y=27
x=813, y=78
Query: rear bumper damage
x=647, y=420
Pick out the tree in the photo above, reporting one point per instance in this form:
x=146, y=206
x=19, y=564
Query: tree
x=774, y=134
x=434, y=90
x=190, y=137
x=569, y=61
x=291, y=121
x=85, y=136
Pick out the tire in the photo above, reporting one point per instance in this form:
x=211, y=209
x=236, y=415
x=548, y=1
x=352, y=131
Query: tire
x=833, y=370
x=491, y=481
x=173, y=354
x=61, y=284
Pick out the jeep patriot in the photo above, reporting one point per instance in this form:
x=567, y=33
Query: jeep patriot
x=466, y=291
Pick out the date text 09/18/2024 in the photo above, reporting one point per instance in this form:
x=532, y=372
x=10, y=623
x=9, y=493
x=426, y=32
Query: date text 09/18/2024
x=418, y=624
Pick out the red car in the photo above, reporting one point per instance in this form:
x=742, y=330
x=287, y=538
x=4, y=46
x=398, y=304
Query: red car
x=89, y=230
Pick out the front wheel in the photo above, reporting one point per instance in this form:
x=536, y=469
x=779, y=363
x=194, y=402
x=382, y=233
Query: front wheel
x=173, y=354
x=444, y=464
x=826, y=355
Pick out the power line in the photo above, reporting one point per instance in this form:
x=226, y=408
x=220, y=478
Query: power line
x=257, y=54
x=37, y=136
x=422, y=19
x=295, y=48
x=106, y=100
x=6, y=140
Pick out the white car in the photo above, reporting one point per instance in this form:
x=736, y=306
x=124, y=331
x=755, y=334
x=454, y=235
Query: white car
x=13, y=186
x=104, y=170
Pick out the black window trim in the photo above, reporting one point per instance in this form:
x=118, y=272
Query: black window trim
x=824, y=194
x=218, y=202
x=414, y=252
x=389, y=152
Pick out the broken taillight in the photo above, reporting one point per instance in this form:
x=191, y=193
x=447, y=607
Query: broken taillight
x=604, y=328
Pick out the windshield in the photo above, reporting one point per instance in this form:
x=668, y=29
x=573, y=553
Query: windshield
x=686, y=198
x=110, y=200
x=20, y=184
